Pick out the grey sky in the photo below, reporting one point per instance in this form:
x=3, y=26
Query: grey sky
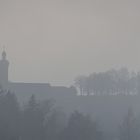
x=56, y=40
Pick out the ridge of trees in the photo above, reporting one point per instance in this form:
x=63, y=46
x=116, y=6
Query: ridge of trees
x=111, y=82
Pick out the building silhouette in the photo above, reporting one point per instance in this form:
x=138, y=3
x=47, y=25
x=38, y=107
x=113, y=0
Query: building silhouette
x=24, y=90
x=4, y=65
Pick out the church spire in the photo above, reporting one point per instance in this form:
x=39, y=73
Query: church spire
x=4, y=65
x=4, y=54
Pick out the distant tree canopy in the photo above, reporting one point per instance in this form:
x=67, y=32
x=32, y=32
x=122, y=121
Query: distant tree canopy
x=110, y=82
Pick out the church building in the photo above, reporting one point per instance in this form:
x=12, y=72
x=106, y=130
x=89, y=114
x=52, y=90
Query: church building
x=4, y=65
x=24, y=90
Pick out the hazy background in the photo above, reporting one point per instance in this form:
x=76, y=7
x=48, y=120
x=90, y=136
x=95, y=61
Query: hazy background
x=56, y=40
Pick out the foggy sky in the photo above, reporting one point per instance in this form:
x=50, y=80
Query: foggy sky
x=56, y=40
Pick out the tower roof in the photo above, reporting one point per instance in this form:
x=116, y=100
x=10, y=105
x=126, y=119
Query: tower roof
x=4, y=54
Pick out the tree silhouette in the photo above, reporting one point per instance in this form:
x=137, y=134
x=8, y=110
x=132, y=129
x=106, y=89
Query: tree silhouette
x=81, y=127
x=32, y=121
x=9, y=117
x=130, y=128
x=110, y=82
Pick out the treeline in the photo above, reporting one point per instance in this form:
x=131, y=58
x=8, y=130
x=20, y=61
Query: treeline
x=111, y=82
x=41, y=120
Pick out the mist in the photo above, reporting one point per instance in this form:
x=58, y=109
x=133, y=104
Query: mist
x=69, y=70
x=74, y=37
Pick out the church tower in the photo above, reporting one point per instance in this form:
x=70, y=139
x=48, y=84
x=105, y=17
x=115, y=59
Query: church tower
x=4, y=66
